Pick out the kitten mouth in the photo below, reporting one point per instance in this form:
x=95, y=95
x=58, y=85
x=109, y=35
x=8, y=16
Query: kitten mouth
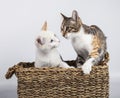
x=59, y=41
x=66, y=37
x=53, y=47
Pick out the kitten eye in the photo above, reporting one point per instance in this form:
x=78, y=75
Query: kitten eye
x=51, y=40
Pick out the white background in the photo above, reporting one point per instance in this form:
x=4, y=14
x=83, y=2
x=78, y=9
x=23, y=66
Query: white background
x=21, y=21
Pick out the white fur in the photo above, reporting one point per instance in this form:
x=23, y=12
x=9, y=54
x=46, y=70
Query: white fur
x=80, y=40
x=47, y=54
x=87, y=67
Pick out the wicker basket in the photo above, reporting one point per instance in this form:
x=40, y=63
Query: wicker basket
x=60, y=82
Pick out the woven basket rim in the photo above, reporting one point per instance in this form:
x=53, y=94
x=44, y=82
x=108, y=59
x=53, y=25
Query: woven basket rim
x=29, y=66
x=22, y=69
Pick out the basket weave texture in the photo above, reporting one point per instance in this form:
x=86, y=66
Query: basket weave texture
x=60, y=82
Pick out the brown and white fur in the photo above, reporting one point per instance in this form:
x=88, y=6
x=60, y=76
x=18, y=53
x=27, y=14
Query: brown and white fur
x=46, y=50
x=89, y=42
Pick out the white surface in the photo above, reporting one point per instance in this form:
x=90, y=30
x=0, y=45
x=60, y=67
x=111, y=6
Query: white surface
x=21, y=21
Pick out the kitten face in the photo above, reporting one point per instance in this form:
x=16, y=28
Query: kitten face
x=70, y=25
x=46, y=41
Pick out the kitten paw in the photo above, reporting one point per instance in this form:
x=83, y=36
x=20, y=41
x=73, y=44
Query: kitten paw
x=86, y=68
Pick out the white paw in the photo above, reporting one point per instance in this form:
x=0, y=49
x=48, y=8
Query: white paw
x=71, y=67
x=87, y=68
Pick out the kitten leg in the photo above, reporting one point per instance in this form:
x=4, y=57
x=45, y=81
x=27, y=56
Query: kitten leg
x=65, y=65
x=87, y=66
x=79, y=61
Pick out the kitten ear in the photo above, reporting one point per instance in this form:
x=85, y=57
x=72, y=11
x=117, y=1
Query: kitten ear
x=40, y=40
x=75, y=15
x=63, y=16
x=44, y=27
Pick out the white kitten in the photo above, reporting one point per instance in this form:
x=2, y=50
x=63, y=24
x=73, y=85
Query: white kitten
x=47, y=54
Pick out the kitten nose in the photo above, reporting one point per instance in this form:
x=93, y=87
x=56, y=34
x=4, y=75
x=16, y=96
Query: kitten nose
x=65, y=36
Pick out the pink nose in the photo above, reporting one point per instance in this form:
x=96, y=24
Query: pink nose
x=63, y=34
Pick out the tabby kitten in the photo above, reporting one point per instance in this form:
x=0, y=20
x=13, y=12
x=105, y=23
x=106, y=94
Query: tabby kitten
x=89, y=42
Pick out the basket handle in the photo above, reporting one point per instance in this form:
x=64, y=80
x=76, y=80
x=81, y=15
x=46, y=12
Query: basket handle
x=12, y=70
